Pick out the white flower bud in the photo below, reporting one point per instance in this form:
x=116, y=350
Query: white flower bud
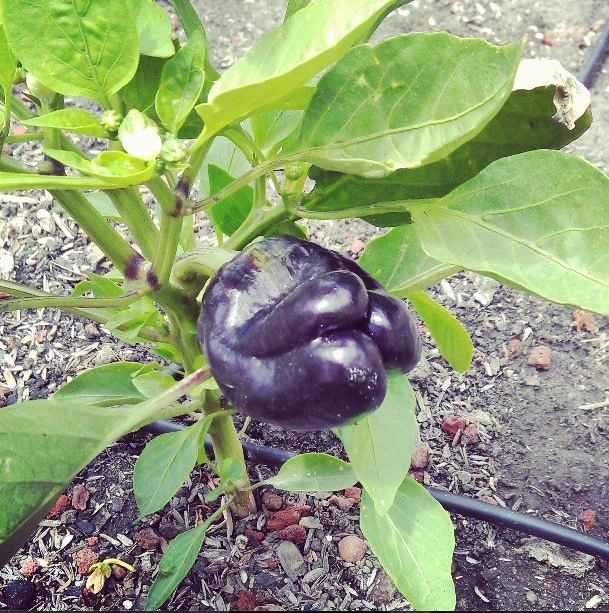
x=139, y=136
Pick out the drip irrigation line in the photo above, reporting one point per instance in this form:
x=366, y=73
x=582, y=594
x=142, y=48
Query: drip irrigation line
x=454, y=503
x=596, y=59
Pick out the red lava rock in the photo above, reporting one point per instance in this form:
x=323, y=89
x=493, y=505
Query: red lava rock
x=272, y=501
x=92, y=540
x=488, y=499
x=62, y=504
x=417, y=475
x=584, y=320
x=80, y=497
x=302, y=507
x=4, y=295
x=296, y=534
x=420, y=457
x=514, y=349
x=587, y=519
x=255, y=535
x=354, y=492
x=452, y=424
x=270, y=563
x=357, y=247
x=351, y=548
x=29, y=568
x=147, y=539
x=540, y=357
x=246, y=601
x=84, y=559
x=470, y=435
x=342, y=502
x=282, y=519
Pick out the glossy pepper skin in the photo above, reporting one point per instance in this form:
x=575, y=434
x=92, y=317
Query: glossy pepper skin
x=299, y=336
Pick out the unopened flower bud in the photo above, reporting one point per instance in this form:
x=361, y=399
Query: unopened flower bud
x=37, y=88
x=111, y=120
x=172, y=150
x=139, y=136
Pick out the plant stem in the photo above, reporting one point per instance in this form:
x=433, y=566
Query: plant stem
x=171, y=203
x=43, y=302
x=190, y=174
x=24, y=138
x=256, y=223
x=116, y=248
x=167, y=247
x=129, y=203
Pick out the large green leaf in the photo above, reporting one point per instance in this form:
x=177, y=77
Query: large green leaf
x=75, y=47
x=104, y=386
x=164, y=465
x=154, y=28
x=141, y=91
x=399, y=263
x=181, y=83
x=451, y=337
x=536, y=220
x=525, y=122
x=414, y=542
x=435, y=92
x=381, y=444
x=78, y=121
x=43, y=445
x=288, y=57
x=314, y=472
x=177, y=560
x=231, y=212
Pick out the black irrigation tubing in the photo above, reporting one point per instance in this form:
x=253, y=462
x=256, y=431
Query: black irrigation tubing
x=456, y=503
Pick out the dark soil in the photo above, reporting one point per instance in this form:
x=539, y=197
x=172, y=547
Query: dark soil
x=544, y=443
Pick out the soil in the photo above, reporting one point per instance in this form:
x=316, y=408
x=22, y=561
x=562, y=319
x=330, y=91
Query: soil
x=543, y=434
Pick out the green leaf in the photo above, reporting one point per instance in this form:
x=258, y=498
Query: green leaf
x=289, y=228
x=163, y=466
x=154, y=28
x=8, y=63
x=151, y=384
x=288, y=57
x=295, y=5
x=233, y=474
x=103, y=205
x=452, y=339
x=78, y=121
x=76, y=48
x=414, y=542
x=271, y=128
x=104, y=386
x=141, y=91
x=435, y=93
x=181, y=83
x=128, y=323
x=177, y=560
x=525, y=122
x=537, y=221
x=114, y=166
x=43, y=445
x=381, y=444
x=225, y=155
x=103, y=287
x=309, y=472
x=229, y=214
x=399, y=263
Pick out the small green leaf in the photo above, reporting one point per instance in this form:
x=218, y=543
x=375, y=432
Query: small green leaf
x=114, y=166
x=181, y=83
x=229, y=214
x=141, y=91
x=104, y=386
x=163, y=466
x=75, y=48
x=451, y=337
x=177, y=560
x=151, y=384
x=225, y=155
x=415, y=111
x=414, y=542
x=380, y=444
x=399, y=263
x=309, y=472
x=154, y=28
x=128, y=323
x=271, y=128
x=536, y=220
x=289, y=228
x=78, y=121
x=103, y=287
x=306, y=43
x=103, y=205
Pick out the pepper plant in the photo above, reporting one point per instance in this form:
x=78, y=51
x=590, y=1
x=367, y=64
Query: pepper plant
x=449, y=144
